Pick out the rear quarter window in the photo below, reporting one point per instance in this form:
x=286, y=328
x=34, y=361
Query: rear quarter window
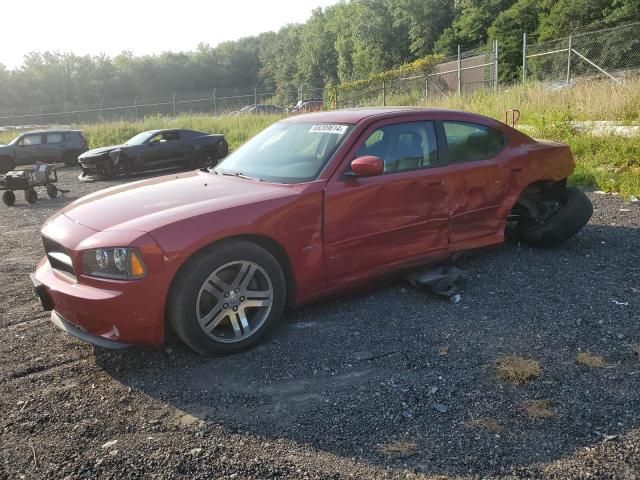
x=470, y=142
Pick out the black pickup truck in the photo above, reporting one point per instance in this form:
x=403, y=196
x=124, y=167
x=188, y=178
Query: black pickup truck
x=154, y=150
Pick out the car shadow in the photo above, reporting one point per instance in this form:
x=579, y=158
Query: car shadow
x=355, y=374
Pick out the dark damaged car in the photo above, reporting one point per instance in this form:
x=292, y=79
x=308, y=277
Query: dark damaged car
x=154, y=150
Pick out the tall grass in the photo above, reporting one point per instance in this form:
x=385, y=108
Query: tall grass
x=609, y=163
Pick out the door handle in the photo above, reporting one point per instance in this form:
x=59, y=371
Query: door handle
x=435, y=183
x=516, y=170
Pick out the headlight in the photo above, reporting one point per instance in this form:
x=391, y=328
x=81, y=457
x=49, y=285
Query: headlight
x=119, y=263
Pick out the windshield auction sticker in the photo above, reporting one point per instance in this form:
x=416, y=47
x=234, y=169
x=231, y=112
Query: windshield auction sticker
x=337, y=129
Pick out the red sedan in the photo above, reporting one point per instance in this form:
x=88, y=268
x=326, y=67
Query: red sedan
x=314, y=205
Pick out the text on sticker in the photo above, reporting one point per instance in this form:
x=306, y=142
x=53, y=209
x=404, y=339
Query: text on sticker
x=337, y=129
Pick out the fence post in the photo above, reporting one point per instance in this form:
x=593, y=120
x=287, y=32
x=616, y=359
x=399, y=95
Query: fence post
x=426, y=88
x=336, y=87
x=524, y=57
x=215, y=107
x=41, y=114
x=135, y=106
x=459, y=72
x=66, y=112
x=384, y=93
x=255, y=95
x=495, y=65
x=301, y=92
x=569, y=60
x=101, y=110
x=174, y=103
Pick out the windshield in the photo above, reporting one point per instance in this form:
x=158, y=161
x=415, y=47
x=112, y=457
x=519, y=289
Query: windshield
x=286, y=152
x=139, y=139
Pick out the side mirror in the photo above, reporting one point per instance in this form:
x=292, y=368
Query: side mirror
x=367, y=166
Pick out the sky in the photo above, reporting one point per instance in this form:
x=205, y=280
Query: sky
x=141, y=26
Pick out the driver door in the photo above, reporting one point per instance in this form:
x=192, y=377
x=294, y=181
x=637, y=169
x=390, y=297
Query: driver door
x=161, y=150
x=29, y=149
x=379, y=223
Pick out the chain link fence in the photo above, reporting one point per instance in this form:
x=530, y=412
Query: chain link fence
x=611, y=53
x=464, y=73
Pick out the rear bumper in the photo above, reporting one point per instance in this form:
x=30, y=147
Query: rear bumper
x=77, y=332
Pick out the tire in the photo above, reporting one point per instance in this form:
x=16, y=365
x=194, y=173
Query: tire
x=208, y=157
x=30, y=195
x=573, y=211
x=52, y=190
x=109, y=169
x=6, y=164
x=125, y=166
x=210, y=286
x=9, y=198
x=70, y=159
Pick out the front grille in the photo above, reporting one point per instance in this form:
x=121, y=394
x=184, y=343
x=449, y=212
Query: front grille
x=59, y=258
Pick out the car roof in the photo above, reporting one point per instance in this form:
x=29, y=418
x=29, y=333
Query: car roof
x=355, y=115
x=53, y=130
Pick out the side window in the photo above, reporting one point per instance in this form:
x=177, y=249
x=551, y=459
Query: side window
x=170, y=136
x=469, y=142
x=403, y=146
x=54, y=137
x=31, y=140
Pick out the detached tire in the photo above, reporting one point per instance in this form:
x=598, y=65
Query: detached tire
x=573, y=211
x=226, y=298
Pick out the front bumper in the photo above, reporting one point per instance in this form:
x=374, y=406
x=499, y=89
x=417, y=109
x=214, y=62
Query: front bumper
x=114, y=316
x=77, y=332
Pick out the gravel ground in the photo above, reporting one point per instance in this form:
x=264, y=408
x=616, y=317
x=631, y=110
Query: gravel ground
x=390, y=383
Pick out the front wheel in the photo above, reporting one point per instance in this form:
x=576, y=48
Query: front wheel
x=563, y=213
x=227, y=298
x=6, y=164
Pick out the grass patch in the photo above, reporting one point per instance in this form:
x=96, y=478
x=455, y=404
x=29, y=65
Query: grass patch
x=487, y=423
x=399, y=449
x=539, y=409
x=588, y=360
x=517, y=370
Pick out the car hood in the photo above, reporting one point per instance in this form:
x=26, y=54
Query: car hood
x=100, y=151
x=149, y=204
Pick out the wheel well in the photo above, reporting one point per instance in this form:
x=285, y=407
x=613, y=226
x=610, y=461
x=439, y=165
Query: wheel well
x=269, y=244
x=534, y=191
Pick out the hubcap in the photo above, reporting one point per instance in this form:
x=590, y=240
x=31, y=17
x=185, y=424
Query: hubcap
x=234, y=301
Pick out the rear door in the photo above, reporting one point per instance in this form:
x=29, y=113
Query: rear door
x=476, y=179
x=55, y=145
x=374, y=224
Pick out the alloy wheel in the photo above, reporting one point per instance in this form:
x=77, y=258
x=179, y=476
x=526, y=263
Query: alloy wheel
x=234, y=301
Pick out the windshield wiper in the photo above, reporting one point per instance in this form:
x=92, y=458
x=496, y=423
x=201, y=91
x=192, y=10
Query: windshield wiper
x=238, y=174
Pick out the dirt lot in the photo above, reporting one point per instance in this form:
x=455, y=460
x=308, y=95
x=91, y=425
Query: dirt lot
x=392, y=383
